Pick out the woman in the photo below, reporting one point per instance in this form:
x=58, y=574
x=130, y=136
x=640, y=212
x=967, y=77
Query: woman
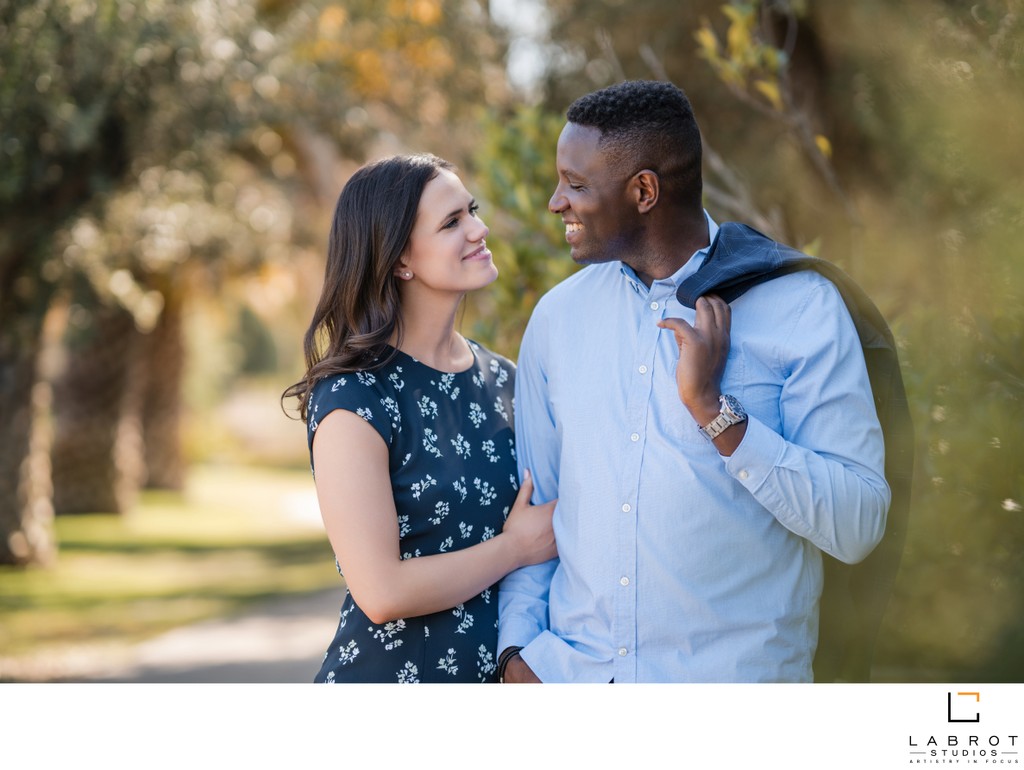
x=410, y=433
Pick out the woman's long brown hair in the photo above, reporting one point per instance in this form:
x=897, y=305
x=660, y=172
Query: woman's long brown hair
x=358, y=311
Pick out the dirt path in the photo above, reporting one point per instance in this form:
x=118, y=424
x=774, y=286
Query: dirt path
x=280, y=641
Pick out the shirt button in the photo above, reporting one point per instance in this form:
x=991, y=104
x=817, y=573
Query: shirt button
x=743, y=475
x=634, y=436
x=626, y=508
x=623, y=581
x=655, y=306
x=643, y=369
x=622, y=652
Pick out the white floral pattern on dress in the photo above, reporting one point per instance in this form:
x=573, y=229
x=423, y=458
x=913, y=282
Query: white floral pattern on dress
x=499, y=370
x=408, y=674
x=430, y=443
x=421, y=486
x=388, y=634
x=462, y=448
x=448, y=663
x=348, y=652
x=420, y=413
x=427, y=407
x=460, y=486
x=499, y=407
x=441, y=509
x=465, y=619
x=487, y=492
x=489, y=451
x=476, y=414
x=486, y=665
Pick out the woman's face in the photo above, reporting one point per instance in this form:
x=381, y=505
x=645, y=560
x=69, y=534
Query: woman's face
x=446, y=251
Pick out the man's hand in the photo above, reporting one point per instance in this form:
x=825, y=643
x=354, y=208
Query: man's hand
x=519, y=672
x=703, y=350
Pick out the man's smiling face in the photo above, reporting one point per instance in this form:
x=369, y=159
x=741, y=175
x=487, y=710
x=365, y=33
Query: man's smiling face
x=601, y=222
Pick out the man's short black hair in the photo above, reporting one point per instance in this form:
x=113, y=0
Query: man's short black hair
x=647, y=124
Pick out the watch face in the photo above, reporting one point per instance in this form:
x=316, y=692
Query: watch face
x=731, y=404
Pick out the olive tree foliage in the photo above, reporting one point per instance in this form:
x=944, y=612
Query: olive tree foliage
x=152, y=149
x=65, y=136
x=123, y=124
x=117, y=118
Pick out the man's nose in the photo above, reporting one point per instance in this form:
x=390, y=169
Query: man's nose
x=557, y=204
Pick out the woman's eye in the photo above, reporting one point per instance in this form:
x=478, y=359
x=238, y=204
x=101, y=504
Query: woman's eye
x=474, y=209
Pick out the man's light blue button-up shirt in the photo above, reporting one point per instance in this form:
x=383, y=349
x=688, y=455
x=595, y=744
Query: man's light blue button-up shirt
x=677, y=564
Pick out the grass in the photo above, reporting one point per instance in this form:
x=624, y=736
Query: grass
x=235, y=536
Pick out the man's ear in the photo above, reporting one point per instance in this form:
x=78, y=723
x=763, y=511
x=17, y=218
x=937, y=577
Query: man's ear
x=645, y=188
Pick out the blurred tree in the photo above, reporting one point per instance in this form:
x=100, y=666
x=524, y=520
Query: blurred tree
x=259, y=356
x=63, y=132
x=164, y=209
x=167, y=136
x=161, y=368
x=169, y=235
x=97, y=456
x=97, y=97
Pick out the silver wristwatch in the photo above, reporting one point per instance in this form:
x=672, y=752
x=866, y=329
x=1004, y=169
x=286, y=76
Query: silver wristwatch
x=732, y=413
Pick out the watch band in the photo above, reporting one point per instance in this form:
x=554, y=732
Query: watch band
x=718, y=425
x=731, y=413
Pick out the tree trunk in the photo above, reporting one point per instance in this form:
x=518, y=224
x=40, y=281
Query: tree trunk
x=97, y=452
x=26, y=509
x=162, y=371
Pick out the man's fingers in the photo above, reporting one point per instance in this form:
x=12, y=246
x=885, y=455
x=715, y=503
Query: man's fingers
x=682, y=329
x=712, y=313
x=721, y=310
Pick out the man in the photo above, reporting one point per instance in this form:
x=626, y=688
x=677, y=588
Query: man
x=703, y=459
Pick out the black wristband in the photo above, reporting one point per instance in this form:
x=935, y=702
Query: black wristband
x=506, y=655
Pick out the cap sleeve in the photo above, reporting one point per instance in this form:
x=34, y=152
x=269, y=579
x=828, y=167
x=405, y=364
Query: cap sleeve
x=359, y=392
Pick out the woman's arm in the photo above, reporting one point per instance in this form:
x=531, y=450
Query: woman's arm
x=358, y=509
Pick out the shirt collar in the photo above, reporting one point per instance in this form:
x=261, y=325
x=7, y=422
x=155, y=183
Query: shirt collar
x=691, y=266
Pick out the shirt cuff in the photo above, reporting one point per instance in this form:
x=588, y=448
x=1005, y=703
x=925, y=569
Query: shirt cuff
x=517, y=632
x=756, y=456
x=556, y=661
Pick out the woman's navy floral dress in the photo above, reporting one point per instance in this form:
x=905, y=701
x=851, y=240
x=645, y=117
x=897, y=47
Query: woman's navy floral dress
x=451, y=451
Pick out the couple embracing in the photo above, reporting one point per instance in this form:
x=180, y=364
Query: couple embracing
x=656, y=490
